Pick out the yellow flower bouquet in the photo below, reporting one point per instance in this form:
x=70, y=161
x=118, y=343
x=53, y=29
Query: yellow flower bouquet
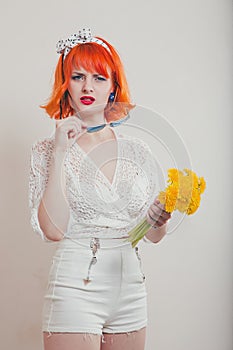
x=183, y=193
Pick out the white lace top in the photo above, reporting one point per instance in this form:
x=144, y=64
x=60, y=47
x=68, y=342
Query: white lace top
x=97, y=207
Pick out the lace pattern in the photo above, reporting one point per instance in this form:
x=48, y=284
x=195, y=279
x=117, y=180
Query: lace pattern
x=97, y=208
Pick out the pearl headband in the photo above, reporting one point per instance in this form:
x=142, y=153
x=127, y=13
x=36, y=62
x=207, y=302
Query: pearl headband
x=83, y=36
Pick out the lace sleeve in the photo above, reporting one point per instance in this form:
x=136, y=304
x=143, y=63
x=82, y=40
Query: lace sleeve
x=41, y=153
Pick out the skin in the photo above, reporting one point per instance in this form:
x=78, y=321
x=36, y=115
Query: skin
x=157, y=216
x=72, y=129
x=95, y=85
x=119, y=341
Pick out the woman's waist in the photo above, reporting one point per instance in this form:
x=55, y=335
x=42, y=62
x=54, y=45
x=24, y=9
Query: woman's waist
x=100, y=242
x=101, y=228
x=79, y=231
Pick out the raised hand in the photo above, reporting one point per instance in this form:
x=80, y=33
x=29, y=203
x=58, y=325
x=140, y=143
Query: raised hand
x=67, y=132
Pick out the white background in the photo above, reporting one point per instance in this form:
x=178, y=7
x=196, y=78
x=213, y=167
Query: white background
x=178, y=60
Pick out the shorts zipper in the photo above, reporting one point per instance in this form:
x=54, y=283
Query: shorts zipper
x=140, y=262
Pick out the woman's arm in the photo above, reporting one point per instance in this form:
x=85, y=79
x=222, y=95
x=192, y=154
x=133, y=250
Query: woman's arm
x=53, y=212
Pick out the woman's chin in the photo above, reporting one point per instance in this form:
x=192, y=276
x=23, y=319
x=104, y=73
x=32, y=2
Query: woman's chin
x=90, y=110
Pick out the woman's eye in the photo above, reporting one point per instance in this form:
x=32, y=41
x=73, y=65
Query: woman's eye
x=101, y=78
x=77, y=77
x=81, y=77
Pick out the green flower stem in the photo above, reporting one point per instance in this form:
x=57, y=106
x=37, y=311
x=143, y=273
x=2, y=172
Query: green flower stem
x=138, y=232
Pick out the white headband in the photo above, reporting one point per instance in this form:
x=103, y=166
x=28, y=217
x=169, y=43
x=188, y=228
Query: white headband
x=83, y=36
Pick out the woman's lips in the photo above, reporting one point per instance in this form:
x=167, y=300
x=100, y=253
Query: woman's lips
x=87, y=100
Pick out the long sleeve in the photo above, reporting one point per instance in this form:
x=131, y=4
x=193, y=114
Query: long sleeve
x=41, y=153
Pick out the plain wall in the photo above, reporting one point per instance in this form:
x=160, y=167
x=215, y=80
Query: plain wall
x=178, y=60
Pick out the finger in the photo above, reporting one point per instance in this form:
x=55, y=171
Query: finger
x=156, y=200
x=70, y=126
x=71, y=134
x=71, y=119
x=165, y=215
x=153, y=215
x=158, y=203
x=80, y=126
x=156, y=209
x=150, y=220
x=153, y=222
x=159, y=222
x=162, y=213
x=70, y=131
x=73, y=130
x=163, y=220
x=160, y=206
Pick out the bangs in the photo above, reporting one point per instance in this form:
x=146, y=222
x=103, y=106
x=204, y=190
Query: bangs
x=92, y=57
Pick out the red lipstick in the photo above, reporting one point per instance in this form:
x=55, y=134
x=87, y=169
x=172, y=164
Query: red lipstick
x=87, y=100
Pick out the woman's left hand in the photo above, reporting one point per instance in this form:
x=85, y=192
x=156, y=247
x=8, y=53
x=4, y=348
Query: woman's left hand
x=156, y=215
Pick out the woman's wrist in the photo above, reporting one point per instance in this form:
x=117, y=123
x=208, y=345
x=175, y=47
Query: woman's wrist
x=156, y=234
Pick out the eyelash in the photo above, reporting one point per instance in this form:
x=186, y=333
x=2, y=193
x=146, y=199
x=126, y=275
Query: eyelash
x=79, y=77
x=101, y=78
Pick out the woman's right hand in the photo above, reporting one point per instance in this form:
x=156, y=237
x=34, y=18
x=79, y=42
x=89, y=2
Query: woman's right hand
x=67, y=132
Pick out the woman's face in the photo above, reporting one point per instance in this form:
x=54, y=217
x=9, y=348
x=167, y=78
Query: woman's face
x=88, y=91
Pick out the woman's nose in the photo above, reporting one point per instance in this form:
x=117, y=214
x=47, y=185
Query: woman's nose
x=87, y=86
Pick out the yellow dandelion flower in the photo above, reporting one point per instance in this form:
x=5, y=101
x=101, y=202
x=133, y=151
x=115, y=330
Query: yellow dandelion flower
x=171, y=198
x=173, y=175
x=182, y=205
x=183, y=193
x=202, y=184
x=162, y=197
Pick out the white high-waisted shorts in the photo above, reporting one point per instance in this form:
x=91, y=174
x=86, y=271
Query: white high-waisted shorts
x=95, y=286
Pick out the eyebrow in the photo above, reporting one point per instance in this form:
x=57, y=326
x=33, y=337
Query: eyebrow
x=80, y=73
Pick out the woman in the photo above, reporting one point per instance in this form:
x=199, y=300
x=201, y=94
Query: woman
x=89, y=186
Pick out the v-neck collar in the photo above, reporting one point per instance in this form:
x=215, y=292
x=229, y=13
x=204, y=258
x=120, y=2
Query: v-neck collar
x=110, y=184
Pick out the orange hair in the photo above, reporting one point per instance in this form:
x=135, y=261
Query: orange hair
x=94, y=58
